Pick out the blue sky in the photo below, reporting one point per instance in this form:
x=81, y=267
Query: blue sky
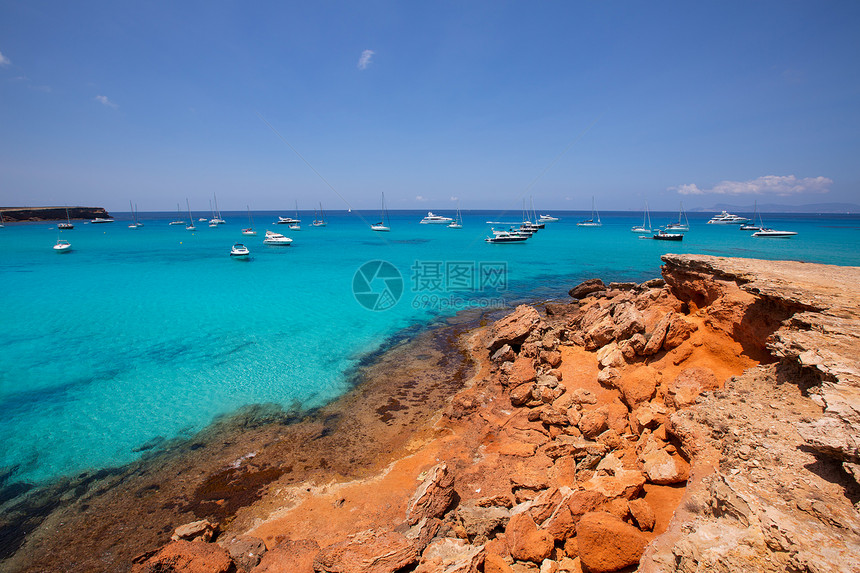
x=482, y=102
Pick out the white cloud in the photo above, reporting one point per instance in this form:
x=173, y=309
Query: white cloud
x=782, y=185
x=364, y=60
x=105, y=101
x=4, y=61
x=420, y=198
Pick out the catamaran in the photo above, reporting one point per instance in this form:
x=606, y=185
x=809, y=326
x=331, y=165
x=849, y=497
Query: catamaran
x=216, y=214
x=384, y=223
x=593, y=222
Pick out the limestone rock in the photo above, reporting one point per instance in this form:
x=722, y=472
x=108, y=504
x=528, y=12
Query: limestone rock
x=514, y=328
x=663, y=468
x=448, y=555
x=686, y=387
x=608, y=544
x=504, y=354
x=245, y=550
x=433, y=496
x=624, y=483
x=522, y=371
x=628, y=321
x=585, y=288
x=367, y=552
x=481, y=522
x=679, y=330
x=658, y=335
x=187, y=557
x=201, y=530
x=525, y=541
x=289, y=557
x=643, y=513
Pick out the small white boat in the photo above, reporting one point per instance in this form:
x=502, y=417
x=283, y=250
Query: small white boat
x=433, y=219
x=680, y=225
x=135, y=223
x=645, y=227
x=277, y=239
x=286, y=221
x=594, y=221
x=216, y=214
x=62, y=246
x=101, y=220
x=548, y=219
x=384, y=224
x=726, y=218
x=239, y=251
x=751, y=226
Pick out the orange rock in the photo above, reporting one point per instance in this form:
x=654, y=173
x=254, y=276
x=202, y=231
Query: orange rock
x=521, y=394
x=594, y=422
x=433, y=496
x=607, y=544
x=643, y=513
x=368, y=552
x=679, y=331
x=514, y=328
x=522, y=371
x=187, y=557
x=525, y=541
x=637, y=386
x=687, y=386
x=289, y=557
x=584, y=501
x=495, y=564
x=626, y=483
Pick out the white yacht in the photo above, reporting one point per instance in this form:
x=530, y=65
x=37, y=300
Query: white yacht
x=433, y=219
x=507, y=237
x=101, y=220
x=645, y=227
x=239, y=251
x=548, y=219
x=273, y=238
x=726, y=218
x=765, y=232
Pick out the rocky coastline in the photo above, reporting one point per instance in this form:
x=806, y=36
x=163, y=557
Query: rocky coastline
x=707, y=420
x=32, y=214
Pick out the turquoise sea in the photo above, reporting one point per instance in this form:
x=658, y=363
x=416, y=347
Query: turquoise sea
x=142, y=335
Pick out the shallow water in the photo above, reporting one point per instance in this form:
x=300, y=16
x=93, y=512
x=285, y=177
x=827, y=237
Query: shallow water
x=139, y=335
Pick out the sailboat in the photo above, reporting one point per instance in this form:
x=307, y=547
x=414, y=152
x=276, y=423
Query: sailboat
x=216, y=214
x=750, y=225
x=383, y=218
x=134, y=223
x=178, y=220
x=458, y=222
x=319, y=219
x=1, y=220
x=250, y=230
x=645, y=227
x=190, y=226
x=295, y=225
x=67, y=225
x=538, y=223
x=593, y=222
x=683, y=224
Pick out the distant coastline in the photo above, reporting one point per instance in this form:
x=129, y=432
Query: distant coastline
x=20, y=214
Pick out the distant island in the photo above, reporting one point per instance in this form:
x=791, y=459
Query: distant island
x=13, y=214
x=777, y=208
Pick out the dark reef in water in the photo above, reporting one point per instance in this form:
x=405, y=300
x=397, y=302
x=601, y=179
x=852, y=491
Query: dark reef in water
x=17, y=214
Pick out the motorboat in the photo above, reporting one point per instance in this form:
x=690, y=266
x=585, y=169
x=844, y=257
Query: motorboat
x=506, y=237
x=433, y=219
x=62, y=246
x=548, y=219
x=765, y=232
x=662, y=235
x=101, y=220
x=726, y=218
x=278, y=239
x=286, y=221
x=645, y=227
x=384, y=224
x=239, y=251
x=594, y=221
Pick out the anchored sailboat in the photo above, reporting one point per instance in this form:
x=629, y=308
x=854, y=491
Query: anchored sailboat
x=383, y=219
